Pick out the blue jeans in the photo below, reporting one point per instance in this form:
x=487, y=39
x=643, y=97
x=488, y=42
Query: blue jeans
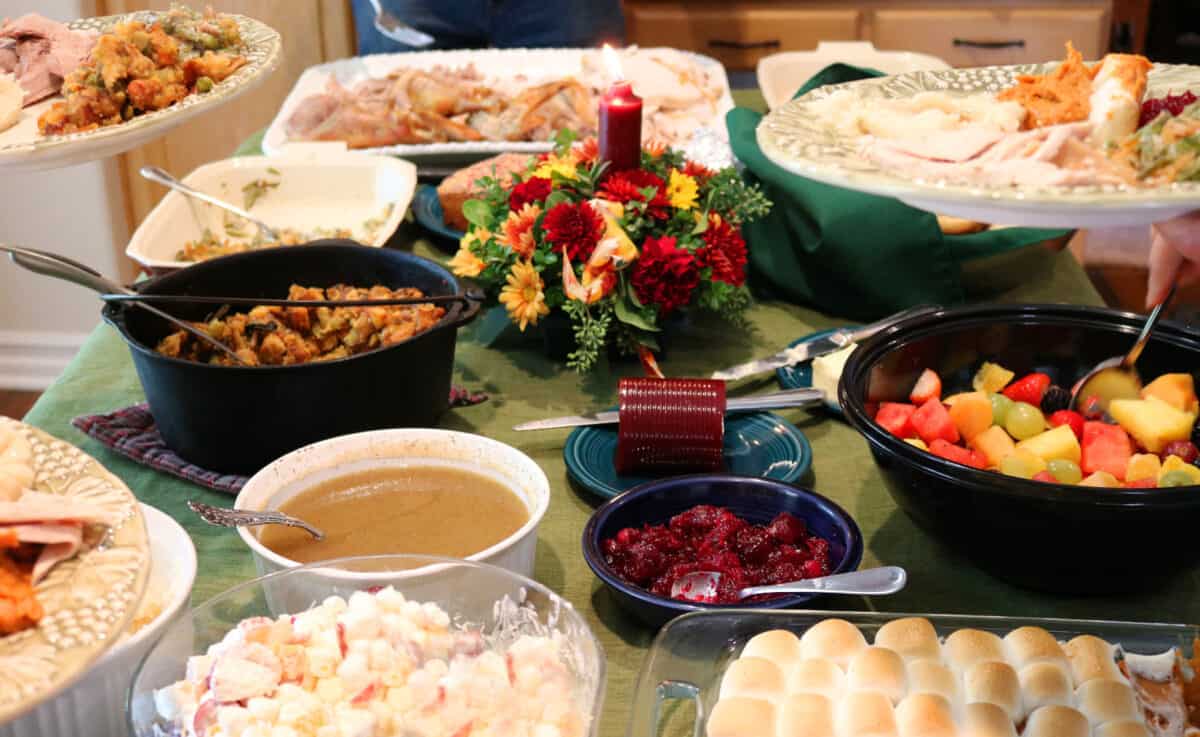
x=458, y=24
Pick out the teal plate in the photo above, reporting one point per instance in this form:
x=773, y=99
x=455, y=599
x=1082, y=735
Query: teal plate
x=799, y=376
x=756, y=444
x=427, y=209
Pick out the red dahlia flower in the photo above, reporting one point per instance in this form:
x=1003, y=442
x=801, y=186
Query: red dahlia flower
x=664, y=275
x=724, y=250
x=574, y=227
x=626, y=186
x=534, y=189
x=699, y=172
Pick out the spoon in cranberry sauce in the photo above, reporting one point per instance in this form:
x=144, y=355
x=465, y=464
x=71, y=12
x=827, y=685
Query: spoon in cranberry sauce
x=702, y=587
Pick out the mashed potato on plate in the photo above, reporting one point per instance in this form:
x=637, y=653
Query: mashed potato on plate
x=917, y=116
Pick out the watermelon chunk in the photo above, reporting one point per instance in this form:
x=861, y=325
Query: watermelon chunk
x=932, y=421
x=958, y=454
x=896, y=418
x=1105, y=447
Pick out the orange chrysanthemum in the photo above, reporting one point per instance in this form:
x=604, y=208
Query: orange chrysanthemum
x=517, y=230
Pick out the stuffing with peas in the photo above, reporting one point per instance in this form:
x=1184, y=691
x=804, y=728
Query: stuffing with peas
x=139, y=68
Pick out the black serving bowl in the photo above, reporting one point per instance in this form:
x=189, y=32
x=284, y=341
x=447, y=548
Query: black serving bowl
x=756, y=500
x=236, y=419
x=1050, y=537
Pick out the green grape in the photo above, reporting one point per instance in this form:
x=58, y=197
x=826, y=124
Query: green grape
x=1019, y=464
x=1024, y=421
x=1000, y=407
x=1067, y=472
x=1176, y=478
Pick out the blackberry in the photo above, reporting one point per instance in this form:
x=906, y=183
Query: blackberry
x=1056, y=398
x=1196, y=434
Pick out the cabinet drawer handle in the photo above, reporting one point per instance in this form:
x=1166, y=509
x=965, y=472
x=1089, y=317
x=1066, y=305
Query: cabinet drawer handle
x=1015, y=44
x=717, y=43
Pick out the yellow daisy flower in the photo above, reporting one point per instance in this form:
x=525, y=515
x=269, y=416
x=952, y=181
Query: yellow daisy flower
x=523, y=296
x=682, y=190
x=564, y=165
x=466, y=263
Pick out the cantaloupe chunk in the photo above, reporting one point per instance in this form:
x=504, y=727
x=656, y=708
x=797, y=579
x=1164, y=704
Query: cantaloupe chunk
x=1059, y=443
x=1175, y=463
x=1151, y=421
x=994, y=443
x=991, y=378
x=1102, y=479
x=1177, y=390
x=971, y=413
x=1143, y=466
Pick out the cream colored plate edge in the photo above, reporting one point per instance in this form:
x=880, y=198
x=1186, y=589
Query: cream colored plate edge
x=88, y=600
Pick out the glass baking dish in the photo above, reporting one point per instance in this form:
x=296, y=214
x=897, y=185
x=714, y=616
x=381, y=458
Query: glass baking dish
x=681, y=674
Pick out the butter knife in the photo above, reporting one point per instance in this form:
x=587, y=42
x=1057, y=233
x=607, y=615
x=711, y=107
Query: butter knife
x=774, y=400
x=835, y=341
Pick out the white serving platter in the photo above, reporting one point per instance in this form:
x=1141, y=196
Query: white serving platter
x=317, y=189
x=22, y=147
x=532, y=64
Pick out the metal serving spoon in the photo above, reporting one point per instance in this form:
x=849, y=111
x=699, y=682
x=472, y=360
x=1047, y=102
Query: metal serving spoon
x=61, y=267
x=155, y=174
x=1121, y=365
x=701, y=586
x=397, y=30
x=225, y=517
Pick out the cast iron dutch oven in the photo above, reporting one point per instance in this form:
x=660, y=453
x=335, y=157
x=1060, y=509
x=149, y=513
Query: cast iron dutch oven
x=1050, y=537
x=237, y=419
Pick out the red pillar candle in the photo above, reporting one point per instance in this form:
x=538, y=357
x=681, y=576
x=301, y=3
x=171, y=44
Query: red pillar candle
x=621, y=127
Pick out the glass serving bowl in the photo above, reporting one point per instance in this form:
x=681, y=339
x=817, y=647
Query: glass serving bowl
x=499, y=603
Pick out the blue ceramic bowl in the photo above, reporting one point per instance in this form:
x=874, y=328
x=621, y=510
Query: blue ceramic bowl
x=756, y=500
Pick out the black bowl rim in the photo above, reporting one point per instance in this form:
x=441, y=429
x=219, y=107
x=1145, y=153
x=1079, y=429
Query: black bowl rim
x=455, y=317
x=595, y=559
x=871, y=350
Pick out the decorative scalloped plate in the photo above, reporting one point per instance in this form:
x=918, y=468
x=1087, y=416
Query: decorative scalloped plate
x=89, y=599
x=23, y=147
x=795, y=137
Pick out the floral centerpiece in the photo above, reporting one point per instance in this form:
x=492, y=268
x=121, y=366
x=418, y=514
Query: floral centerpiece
x=617, y=251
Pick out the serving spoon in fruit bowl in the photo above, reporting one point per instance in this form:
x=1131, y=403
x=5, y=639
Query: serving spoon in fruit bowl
x=1117, y=377
x=701, y=586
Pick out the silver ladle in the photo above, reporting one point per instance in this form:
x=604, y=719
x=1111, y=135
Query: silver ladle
x=155, y=174
x=225, y=517
x=61, y=267
x=1121, y=365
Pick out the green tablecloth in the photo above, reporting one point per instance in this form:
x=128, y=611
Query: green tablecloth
x=525, y=385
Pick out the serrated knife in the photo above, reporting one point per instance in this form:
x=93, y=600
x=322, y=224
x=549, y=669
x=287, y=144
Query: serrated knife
x=835, y=341
x=774, y=400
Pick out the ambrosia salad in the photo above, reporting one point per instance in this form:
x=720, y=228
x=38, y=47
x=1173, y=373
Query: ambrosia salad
x=374, y=665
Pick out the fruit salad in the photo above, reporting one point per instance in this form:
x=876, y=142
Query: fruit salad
x=1025, y=427
x=708, y=538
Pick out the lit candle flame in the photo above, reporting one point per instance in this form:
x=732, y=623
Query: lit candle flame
x=613, y=62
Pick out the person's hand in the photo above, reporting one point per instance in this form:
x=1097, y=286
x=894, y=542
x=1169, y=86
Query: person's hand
x=1174, y=256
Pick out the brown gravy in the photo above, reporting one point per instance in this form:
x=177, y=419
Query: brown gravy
x=427, y=510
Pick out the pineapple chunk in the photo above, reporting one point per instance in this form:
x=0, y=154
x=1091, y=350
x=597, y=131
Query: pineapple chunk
x=1177, y=390
x=1143, y=466
x=1151, y=421
x=917, y=443
x=1059, y=443
x=993, y=443
x=991, y=378
x=1102, y=479
x=1175, y=463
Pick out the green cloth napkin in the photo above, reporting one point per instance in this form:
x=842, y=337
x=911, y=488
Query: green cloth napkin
x=847, y=253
